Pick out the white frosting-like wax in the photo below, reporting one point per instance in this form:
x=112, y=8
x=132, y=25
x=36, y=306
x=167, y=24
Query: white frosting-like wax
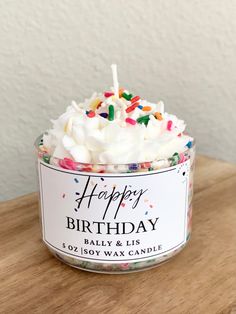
x=83, y=135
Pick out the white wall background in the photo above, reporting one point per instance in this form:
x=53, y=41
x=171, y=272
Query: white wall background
x=52, y=51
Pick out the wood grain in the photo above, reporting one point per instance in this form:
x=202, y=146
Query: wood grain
x=201, y=279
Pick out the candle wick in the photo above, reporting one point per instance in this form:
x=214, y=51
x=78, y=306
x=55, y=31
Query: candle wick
x=115, y=79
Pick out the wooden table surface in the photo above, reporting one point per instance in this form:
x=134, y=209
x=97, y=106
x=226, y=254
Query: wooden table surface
x=201, y=279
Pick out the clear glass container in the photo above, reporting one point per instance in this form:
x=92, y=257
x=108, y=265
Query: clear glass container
x=139, y=219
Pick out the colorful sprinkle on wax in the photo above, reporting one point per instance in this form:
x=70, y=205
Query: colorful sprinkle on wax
x=176, y=155
x=67, y=163
x=46, y=158
x=91, y=114
x=158, y=116
x=140, y=107
x=99, y=104
x=127, y=96
x=121, y=90
x=144, y=119
x=147, y=108
x=94, y=104
x=108, y=94
x=145, y=165
x=87, y=168
x=135, y=99
x=182, y=158
x=132, y=107
x=111, y=113
x=76, y=180
x=175, y=159
x=169, y=125
x=133, y=167
x=104, y=115
x=189, y=144
x=130, y=121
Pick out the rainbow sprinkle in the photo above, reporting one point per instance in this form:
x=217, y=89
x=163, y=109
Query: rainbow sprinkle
x=158, y=116
x=133, y=167
x=147, y=108
x=169, y=125
x=132, y=107
x=144, y=120
x=94, y=104
x=108, y=94
x=135, y=99
x=91, y=114
x=189, y=144
x=127, y=96
x=104, y=115
x=130, y=121
x=111, y=113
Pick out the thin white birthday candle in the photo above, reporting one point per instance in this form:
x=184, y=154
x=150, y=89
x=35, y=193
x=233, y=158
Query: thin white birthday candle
x=115, y=79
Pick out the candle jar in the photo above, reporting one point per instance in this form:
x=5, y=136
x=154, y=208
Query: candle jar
x=115, y=218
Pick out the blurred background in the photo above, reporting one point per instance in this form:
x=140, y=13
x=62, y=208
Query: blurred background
x=51, y=52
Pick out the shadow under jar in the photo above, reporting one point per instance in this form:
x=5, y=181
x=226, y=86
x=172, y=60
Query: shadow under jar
x=115, y=218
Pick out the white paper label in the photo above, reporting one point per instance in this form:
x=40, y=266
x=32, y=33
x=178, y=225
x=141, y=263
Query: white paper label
x=114, y=218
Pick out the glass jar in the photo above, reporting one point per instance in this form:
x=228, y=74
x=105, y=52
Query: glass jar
x=115, y=218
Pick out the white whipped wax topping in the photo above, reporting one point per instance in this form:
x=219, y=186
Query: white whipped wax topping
x=97, y=140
